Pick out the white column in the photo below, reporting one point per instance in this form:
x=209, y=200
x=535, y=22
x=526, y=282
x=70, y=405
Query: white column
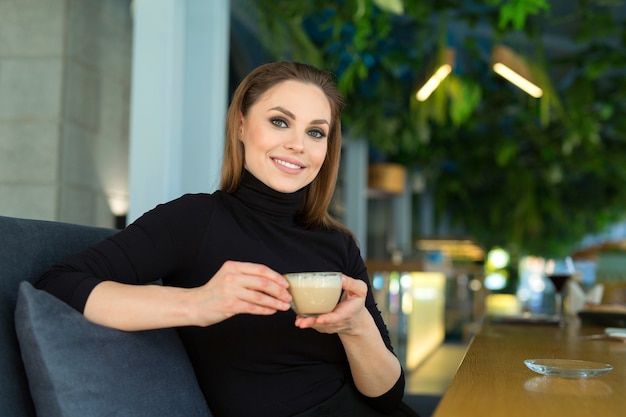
x=206, y=93
x=178, y=99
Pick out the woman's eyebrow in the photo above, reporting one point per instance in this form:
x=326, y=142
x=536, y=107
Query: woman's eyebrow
x=320, y=122
x=293, y=116
x=284, y=110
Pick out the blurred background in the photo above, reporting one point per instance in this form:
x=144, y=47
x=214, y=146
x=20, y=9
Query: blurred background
x=480, y=137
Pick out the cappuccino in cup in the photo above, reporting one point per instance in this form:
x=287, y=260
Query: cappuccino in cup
x=314, y=293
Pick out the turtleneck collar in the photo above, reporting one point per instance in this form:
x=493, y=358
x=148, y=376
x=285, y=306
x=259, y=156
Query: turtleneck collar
x=258, y=196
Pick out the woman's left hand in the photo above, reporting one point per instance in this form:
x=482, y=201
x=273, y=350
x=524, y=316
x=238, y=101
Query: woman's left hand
x=375, y=369
x=344, y=318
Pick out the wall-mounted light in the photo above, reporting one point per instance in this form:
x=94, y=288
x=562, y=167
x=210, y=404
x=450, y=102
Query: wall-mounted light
x=118, y=203
x=444, y=69
x=514, y=69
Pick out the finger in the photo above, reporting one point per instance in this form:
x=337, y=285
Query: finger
x=262, y=287
x=260, y=270
x=263, y=299
x=257, y=309
x=248, y=308
x=354, y=286
x=305, y=322
x=323, y=324
x=256, y=277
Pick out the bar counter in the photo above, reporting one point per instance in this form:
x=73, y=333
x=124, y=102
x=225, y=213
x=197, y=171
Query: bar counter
x=492, y=379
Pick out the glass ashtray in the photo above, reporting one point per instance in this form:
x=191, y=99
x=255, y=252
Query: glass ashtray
x=568, y=368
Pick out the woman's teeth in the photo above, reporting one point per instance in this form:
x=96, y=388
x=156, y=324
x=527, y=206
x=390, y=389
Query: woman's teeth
x=287, y=164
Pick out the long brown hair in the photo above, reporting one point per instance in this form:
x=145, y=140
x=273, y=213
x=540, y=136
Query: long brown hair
x=314, y=210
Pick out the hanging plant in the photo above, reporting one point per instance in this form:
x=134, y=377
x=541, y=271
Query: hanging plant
x=510, y=170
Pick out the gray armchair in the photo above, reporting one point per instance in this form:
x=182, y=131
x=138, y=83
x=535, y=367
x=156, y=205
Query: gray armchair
x=59, y=364
x=44, y=372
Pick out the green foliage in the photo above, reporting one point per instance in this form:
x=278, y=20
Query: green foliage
x=515, y=12
x=530, y=175
x=391, y=6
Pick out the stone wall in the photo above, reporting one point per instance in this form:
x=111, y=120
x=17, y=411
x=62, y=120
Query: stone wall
x=65, y=70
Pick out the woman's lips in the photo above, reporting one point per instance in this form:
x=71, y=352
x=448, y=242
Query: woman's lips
x=287, y=164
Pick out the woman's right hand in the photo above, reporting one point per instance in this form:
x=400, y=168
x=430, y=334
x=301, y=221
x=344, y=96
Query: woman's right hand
x=241, y=288
x=237, y=288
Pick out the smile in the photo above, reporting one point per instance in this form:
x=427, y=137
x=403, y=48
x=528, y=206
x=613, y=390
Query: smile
x=287, y=164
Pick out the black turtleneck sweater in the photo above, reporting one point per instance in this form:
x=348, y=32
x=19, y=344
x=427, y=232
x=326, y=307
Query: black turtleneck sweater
x=247, y=365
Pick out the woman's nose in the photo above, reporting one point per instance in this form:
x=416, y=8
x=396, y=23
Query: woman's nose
x=295, y=142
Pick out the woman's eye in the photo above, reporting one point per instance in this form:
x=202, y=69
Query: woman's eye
x=277, y=121
x=317, y=134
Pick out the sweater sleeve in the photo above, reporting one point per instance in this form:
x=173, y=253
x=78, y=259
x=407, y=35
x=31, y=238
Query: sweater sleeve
x=159, y=244
x=392, y=398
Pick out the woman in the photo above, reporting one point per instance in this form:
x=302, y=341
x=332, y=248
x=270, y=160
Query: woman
x=221, y=258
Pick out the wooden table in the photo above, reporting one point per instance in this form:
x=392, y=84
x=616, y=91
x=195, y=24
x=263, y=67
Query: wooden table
x=492, y=379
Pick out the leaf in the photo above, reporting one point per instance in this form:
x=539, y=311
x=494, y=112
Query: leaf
x=596, y=69
x=515, y=12
x=391, y=6
x=464, y=98
x=505, y=152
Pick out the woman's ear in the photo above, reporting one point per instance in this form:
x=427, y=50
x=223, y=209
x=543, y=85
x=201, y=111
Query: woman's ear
x=240, y=133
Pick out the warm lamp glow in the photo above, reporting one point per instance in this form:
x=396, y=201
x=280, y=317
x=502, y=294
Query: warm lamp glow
x=118, y=204
x=514, y=69
x=433, y=82
x=516, y=79
x=498, y=258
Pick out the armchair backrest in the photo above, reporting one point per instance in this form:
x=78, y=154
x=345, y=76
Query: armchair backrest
x=27, y=249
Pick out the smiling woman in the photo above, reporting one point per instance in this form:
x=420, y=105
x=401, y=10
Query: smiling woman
x=222, y=259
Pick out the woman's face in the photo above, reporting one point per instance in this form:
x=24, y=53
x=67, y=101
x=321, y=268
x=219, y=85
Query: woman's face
x=285, y=135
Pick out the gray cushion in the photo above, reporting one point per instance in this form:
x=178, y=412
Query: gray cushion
x=77, y=368
x=28, y=248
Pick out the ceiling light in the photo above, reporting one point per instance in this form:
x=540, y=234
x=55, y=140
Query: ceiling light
x=516, y=79
x=443, y=70
x=433, y=82
x=514, y=69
